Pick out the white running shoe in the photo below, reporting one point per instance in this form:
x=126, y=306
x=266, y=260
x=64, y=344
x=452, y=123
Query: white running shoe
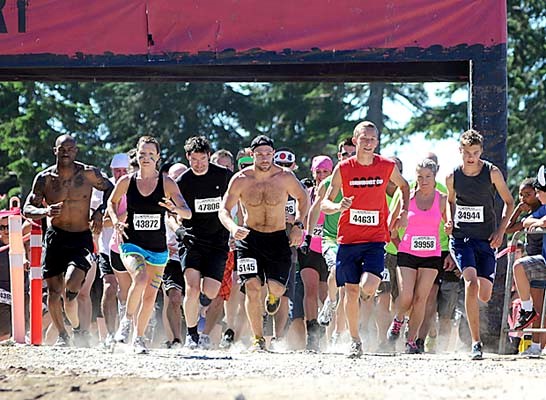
x=531, y=352
x=204, y=342
x=124, y=330
x=190, y=343
x=327, y=312
x=139, y=345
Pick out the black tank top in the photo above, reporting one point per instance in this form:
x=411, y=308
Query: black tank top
x=475, y=215
x=146, y=218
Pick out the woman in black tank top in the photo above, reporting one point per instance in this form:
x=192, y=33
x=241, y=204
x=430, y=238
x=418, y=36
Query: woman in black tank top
x=144, y=249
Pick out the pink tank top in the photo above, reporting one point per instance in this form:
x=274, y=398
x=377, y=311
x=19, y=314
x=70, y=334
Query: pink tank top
x=422, y=236
x=316, y=240
x=114, y=241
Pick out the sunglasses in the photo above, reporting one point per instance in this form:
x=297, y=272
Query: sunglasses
x=347, y=154
x=4, y=227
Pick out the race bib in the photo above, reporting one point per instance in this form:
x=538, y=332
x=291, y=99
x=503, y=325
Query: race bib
x=5, y=297
x=469, y=214
x=290, y=207
x=247, y=266
x=317, y=230
x=146, y=222
x=364, y=217
x=423, y=243
x=385, y=275
x=207, y=205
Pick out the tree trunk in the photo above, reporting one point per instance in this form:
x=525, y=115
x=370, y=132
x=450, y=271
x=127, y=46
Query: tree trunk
x=375, y=108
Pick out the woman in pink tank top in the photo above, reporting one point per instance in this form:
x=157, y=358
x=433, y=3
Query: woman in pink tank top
x=419, y=255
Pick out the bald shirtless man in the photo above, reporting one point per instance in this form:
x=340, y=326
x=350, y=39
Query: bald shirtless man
x=263, y=248
x=62, y=192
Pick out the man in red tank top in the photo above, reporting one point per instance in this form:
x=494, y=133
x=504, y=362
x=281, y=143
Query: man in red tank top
x=364, y=224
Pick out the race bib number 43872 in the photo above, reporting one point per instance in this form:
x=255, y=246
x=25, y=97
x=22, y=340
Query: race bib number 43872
x=207, y=205
x=469, y=214
x=247, y=266
x=364, y=217
x=146, y=222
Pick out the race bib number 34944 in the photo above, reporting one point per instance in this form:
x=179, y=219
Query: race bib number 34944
x=469, y=214
x=207, y=205
x=247, y=266
x=364, y=217
x=146, y=222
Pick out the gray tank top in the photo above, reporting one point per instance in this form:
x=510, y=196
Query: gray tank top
x=475, y=216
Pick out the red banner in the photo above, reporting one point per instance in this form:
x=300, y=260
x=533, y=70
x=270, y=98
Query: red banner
x=138, y=27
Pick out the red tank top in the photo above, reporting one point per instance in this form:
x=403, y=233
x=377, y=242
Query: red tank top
x=366, y=220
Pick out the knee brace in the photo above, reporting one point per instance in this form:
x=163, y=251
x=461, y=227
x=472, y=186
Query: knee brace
x=71, y=295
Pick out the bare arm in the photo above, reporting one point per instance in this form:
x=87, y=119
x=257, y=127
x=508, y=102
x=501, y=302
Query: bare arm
x=514, y=225
x=296, y=190
x=102, y=183
x=314, y=211
x=230, y=199
x=174, y=201
x=327, y=205
x=113, y=201
x=450, y=204
x=498, y=180
x=33, y=207
x=531, y=222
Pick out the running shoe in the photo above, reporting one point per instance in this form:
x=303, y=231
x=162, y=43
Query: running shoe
x=191, y=342
x=531, y=352
x=124, y=330
x=258, y=344
x=139, y=345
x=430, y=344
x=412, y=348
x=63, y=340
x=420, y=343
x=476, y=353
x=394, y=330
x=81, y=338
x=227, y=339
x=327, y=312
x=272, y=304
x=526, y=318
x=109, y=340
x=355, y=351
x=204, y=342
x=175, y=344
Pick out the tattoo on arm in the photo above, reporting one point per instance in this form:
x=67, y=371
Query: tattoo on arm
x=33, y=207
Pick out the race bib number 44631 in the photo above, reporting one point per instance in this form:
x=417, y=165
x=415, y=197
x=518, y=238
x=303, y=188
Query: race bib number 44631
x=469, y=214
x=207, y=205
x=146, y=222
x=247, y=266
x=364, y=217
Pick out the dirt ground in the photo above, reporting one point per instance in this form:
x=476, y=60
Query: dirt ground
x=28, y=372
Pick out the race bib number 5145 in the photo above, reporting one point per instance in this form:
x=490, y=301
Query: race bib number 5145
x=247, y=266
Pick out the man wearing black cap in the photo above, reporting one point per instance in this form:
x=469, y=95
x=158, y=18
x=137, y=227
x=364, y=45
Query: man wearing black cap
x=263, y=248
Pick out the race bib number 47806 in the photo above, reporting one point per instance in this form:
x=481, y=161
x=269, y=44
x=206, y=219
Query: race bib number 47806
x=247, y=266
x=207, y=205
x=469, y=214
x=146, y=222
x=364, y=217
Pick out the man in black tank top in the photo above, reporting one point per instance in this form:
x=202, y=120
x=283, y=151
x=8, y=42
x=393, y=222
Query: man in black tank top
x=472, y=224
x=204, y=240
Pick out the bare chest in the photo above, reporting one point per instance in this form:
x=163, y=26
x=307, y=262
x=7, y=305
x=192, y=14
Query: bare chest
x=264, y=194
x=75, y=188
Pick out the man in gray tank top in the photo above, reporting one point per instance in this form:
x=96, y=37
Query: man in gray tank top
x=472, y=224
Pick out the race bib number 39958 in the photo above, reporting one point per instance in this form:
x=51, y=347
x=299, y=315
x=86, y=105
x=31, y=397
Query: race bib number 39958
x=247, y=266
x=146, y=222
x=364, y=217
x=469, y=214
x=207, y=205
x=423, y=243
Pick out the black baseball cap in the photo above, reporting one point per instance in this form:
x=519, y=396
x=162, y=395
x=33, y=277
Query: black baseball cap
x=261, y=140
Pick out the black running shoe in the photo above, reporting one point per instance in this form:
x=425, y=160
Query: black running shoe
x=227, y=339
x=526, y=318
x=420, y=345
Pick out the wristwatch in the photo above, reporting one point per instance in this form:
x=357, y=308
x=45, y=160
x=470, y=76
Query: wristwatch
x=299, y=224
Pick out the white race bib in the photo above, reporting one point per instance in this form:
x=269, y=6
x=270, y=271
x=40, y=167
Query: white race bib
x=146, y=222
x=385, y=275
x=5, y=297
x=364, y=217
x=317, y=230
x=423, y=243
x=469, y=214
x=290, y=207
x=247, y=266
x=207, y=205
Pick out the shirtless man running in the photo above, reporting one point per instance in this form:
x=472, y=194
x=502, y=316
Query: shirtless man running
x=65, y=189
x=263, y=248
